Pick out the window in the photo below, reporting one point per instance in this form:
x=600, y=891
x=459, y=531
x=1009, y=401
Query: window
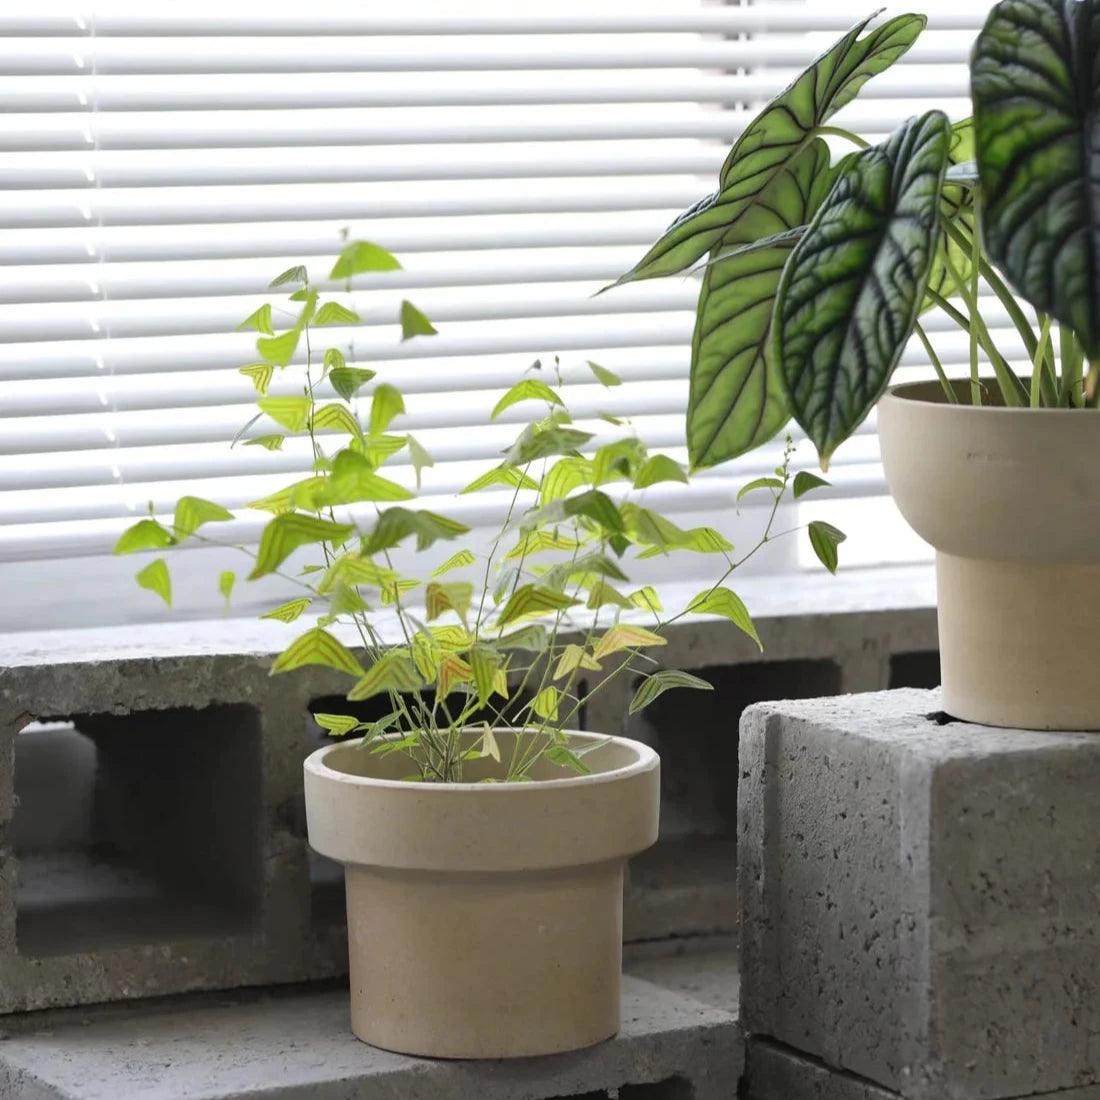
x=159, y=165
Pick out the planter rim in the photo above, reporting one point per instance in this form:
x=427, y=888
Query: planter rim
x=646, y=760
x=931, y=393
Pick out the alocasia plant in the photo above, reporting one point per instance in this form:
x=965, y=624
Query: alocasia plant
x=815, y=273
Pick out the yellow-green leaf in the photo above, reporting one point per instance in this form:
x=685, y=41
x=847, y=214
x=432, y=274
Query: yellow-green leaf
x=574, y=657
x=825, y=538
x=284, y=534
x=260, y=321
x=360, y=257
x=225, y=584
x=646, y=599
x=337, y=418
x=725, y=602
x=453, y=596
x=455, y=561
x=347, y=380
x=393, y=671
x=337, y=725
x=333, y=313
x=451, y=637
x=660, y=682
x=489, y=746
x=453, y=670
x=414, y=323
x=528, y=389
x=545, y=704
x=484, y=664
x=659, y=468
x=296, y=274
x=538, y=542
x=603, y=375
x=155, y=577
x=386, y=403
x=193, y=512
x=291, y=413
x=279, y=349
x=351, y=569
x=533, y=599
x=626, y=636
x=289, y=611
x=507, y=476
x=419, y=457
x=146, y=534
x=317, y=647
x=260, y=373
x=268, y=442
x=563, y=477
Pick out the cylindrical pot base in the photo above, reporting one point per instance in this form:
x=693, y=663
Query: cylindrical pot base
x=485, y=966
x=1018, y=642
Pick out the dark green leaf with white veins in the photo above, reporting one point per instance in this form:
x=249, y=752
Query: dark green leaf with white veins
x=736, y=400
x=775, y=137
x=1035, y=82
x=850, y=292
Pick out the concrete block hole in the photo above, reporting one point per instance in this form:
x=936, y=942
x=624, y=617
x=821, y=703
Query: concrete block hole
x=915, y=670
x=137, y=829
x=696, y=733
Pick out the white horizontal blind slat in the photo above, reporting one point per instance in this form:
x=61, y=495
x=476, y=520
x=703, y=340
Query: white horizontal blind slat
x=159, y=167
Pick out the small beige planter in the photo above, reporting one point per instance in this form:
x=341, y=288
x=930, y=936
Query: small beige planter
x=484, y=919
x=1010, y=499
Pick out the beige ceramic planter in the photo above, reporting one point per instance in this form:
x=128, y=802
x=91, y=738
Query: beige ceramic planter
x=484, y=919
x=1010, y=499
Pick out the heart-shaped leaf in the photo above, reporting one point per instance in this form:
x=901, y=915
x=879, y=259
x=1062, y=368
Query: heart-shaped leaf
x=852, y=287
x=1036, y=92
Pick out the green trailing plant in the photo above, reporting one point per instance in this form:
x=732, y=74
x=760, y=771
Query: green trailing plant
x=815, y=273
x=520, y=634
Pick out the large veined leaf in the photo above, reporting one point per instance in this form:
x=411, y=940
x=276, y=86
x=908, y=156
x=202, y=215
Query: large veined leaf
x=737, y=399
x=851, y=289
x=1036, y=90
x=957, y=206
x=775, y=137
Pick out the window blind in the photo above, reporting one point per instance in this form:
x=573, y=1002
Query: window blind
x=157, y=168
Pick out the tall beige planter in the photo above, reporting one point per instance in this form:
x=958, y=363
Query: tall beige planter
x=484, y=919
x=1010, y=499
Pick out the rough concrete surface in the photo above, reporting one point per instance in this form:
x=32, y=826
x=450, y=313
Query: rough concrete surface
x=295, y=1044
x=261, y=911
x=775, y=1072
x=919, y=900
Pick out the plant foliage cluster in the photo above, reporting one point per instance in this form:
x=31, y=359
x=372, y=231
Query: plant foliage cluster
x=522, y=634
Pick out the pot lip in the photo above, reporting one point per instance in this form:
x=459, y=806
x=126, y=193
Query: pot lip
x=647, y=760
x=903, y=393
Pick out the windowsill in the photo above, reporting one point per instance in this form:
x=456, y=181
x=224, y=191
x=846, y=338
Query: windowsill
x=769, y=598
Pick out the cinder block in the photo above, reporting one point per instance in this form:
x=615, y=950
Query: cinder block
x=776, y=1072
x=920, y=897
x=296, y=1045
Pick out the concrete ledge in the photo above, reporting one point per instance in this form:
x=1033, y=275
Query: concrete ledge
x=919, y=896
x=295, y=1045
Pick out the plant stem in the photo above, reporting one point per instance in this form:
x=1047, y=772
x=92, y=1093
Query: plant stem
x=948, y=389
x=1039, y=360
x=1072, y=364
x=840, y=132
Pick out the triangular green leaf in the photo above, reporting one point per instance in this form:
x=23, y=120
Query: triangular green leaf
x=291, y=413
x=259, y=321
x=603, y=375
x=661, y=682
x=392, y=672
x=414, y=323
x=146, y=534
x=333, y=313
x=724, y=602
x=284, y=534
x=386, y=403
x=316, y=647
x=455, y=561
x=279, y=349
x=346, y=381
x=533, y=599
x=527, y=389
x=360, y=257
x=289, y=611
x=155, y=577
x=193, y=512
x=260, y=373
x=659, y=468
x=825, y=538
x=268, y=442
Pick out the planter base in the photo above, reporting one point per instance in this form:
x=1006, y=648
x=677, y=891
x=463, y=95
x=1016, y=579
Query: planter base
x=1017, y=642
x=485, y=966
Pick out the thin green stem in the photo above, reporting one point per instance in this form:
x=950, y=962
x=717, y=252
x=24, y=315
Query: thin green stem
x=840, y=132
x=937, y=365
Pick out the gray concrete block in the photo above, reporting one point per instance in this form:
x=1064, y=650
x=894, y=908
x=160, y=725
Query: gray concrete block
x=919, y=900
x=296, y=1045
x=776, y=1072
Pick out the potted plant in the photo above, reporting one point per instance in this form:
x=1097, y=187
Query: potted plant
x=484, y=834
x=815, y=274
